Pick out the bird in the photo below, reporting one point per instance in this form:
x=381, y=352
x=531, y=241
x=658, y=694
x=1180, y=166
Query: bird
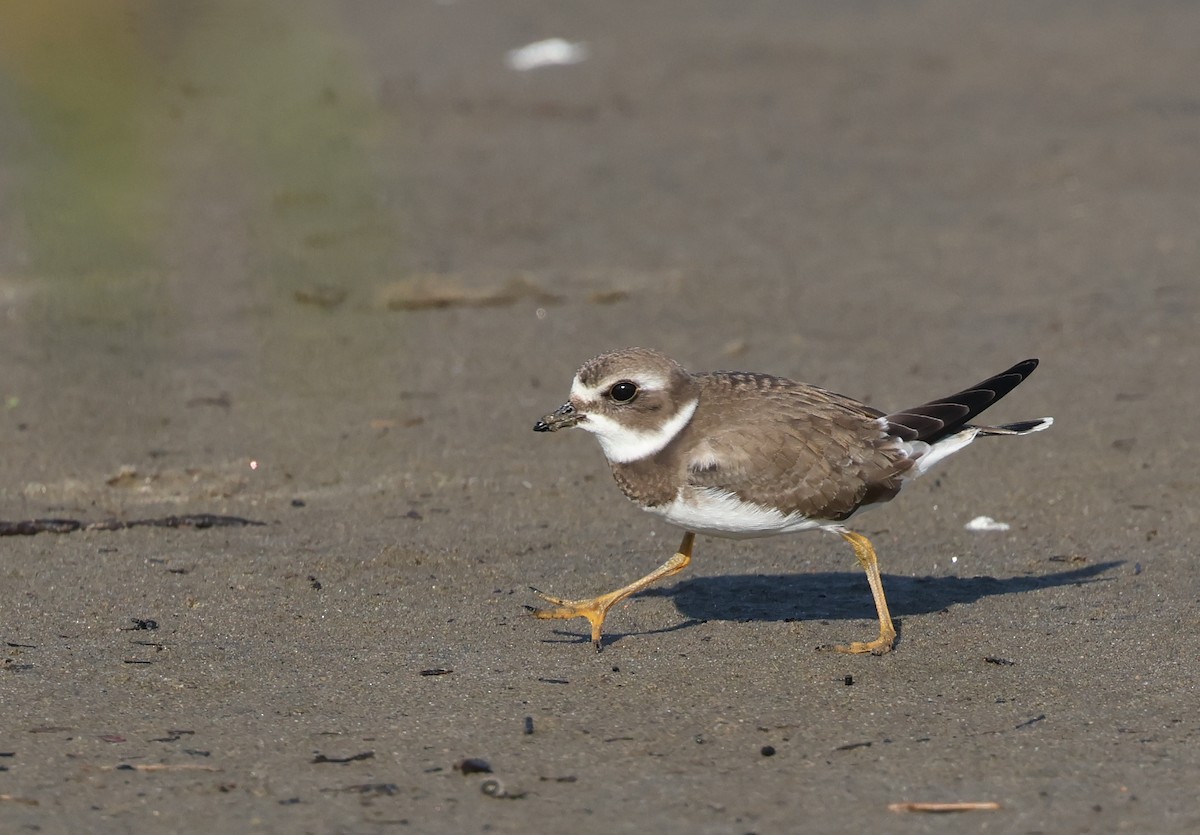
x=740, y=455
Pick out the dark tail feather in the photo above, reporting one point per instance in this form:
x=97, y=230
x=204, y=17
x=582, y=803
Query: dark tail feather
x=947, y=415
x=1023, y=427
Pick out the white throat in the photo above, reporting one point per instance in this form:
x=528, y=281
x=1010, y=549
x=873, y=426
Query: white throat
x=623, y=445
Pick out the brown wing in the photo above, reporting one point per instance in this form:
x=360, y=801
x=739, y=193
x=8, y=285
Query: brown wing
x=795, y=447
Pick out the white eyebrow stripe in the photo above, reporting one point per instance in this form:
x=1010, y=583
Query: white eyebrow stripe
x=581, y=392
x=650, y=382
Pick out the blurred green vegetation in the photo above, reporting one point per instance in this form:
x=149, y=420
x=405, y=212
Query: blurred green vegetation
x=84, y=193
x=132, y=122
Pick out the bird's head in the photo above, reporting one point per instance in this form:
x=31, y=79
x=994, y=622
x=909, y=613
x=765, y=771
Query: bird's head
x=635, y=401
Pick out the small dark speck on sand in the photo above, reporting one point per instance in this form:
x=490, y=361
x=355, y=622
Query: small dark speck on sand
x=474, y=765
x=767, y=750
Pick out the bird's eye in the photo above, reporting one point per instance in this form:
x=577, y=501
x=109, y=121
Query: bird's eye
x=623, y=391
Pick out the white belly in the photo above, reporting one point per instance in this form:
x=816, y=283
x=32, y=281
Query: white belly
x=720, y=513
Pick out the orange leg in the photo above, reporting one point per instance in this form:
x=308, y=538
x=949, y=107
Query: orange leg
x=870, y=563
x=595, y=609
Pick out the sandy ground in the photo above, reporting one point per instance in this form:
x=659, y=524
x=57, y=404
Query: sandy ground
x=888, y=200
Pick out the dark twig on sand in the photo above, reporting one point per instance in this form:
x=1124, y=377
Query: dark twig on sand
x=29, y=527
x=321, y=758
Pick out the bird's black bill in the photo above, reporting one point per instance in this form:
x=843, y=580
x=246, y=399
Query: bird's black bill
x=563, y=417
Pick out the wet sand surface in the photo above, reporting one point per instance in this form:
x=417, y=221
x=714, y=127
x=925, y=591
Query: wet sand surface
x=376, y=261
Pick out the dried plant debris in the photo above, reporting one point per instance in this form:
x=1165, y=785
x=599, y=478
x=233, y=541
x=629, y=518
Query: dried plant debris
x=435, y=290
x=29, y=527
x=12, y=798
x=321, y=295
x=735, y=348
x=221, y=401
x=611, y=296
x=172, y=483
x=937, y=808
x=126, y=476
x=432, y=291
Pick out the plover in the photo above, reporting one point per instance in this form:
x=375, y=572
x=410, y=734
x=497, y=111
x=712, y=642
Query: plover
x=738, y=454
